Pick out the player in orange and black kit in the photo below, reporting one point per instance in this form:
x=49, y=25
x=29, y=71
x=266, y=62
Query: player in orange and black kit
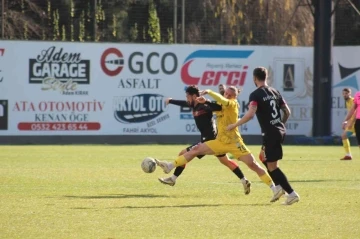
x=203, y=116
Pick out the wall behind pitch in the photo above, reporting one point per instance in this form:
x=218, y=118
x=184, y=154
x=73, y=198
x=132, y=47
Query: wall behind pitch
x=57, y=88
x=346, y=74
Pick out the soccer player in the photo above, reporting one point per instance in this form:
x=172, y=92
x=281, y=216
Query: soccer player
x=354, y=110
x=203, y=113
x=222, y=89
x=267, y=103
x=349, y=101
x=225, y=142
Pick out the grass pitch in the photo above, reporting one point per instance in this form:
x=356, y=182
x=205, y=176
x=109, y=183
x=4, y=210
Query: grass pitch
x=101, y=192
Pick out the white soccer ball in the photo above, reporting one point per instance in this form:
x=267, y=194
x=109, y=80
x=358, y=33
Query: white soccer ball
x=148, y=165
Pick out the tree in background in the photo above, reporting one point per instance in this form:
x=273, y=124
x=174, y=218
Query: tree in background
x=22, y=20
x=256, y=22
x=154, y=24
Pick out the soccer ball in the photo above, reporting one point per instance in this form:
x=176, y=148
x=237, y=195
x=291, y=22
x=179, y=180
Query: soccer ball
x=148, y=165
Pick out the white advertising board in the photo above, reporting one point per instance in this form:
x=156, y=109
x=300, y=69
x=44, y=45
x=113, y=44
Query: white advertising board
x=346, y=74
x=59, y=88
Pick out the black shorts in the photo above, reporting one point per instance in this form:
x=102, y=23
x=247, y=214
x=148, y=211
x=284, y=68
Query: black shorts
x=201, y=156
x=357, y=130
x=272, y=145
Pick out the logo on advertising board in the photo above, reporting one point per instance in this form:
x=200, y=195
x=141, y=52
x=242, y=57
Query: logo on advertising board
x=289, y=79
x=214, y=67
x=2, y=52
x=186, y=113
x=296, y=84
x=141, y=108
x=348, y=77
x=59, y=115
x=142, y=67
x=58, y=70
x=4, y=115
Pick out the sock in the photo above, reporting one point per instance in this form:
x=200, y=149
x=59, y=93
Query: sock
x=179, y=170
x=267, y=180
x=274, y=179
x=181, y=160
x=174, y=177
x=293, y=194
x=281, y=178
x=346, y=145
x=238, y=173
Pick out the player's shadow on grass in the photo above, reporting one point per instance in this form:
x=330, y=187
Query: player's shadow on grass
x=179, y=206
x=322, y=180
x=117, y=196
x=192, y=205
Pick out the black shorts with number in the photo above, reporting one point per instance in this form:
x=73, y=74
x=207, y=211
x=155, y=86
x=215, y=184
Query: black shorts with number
x=357, y=130
x=203, y=139
x=272, y=145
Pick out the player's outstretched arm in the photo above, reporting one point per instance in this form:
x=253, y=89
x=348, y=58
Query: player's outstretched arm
x=248, y=116
x=176, y=102
x=213, y=106
x=219, y=98
x=286, y=110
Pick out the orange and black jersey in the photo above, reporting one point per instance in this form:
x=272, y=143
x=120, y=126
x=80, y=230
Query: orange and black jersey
x=203, y=116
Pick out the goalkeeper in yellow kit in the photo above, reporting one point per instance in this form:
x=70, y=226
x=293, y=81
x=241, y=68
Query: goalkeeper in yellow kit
x=226, y=141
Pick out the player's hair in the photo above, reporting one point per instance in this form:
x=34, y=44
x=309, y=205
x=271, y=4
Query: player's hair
x=235, y=90
x=347, y=90
x=192, y=90
x=260, y=73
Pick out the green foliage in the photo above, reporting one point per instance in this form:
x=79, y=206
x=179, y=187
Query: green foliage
x=114, y=26
x=63, y=33
x=154, y=24
x=134, y=33
x=56, y=28
x=207, y=22
x=72, y=15
x=170, y=32
x=82, y=26
x=101, y=192
x=99, y=17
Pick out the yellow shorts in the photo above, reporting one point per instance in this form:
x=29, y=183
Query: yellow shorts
x=237, y=149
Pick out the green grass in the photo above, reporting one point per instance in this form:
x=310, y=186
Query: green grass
x=101, y=192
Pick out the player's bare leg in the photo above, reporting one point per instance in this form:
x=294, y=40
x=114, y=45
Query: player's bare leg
x=276, y=172
x=234, y=167
x=200, y=149
x=250, y=161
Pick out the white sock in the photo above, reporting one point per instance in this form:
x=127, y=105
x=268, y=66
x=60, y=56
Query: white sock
x=173, y=177
x=293, y=194
x=274, y=188
x=349, y=154
x=243, y=180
